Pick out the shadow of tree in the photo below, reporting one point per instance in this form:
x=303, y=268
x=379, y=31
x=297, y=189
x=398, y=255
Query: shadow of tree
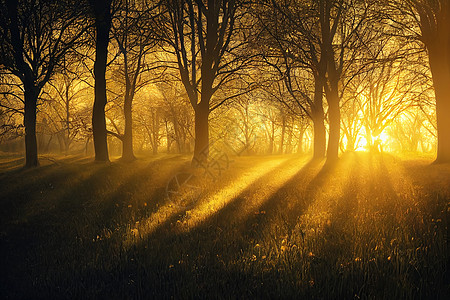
x=233, y=252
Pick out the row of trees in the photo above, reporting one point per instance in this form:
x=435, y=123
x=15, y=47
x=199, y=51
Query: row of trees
x=341, y=64
x=163, y=120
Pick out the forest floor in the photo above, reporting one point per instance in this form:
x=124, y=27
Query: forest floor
x=371, y=226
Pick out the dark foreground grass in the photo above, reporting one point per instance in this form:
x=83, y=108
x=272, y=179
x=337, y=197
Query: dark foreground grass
x=372, y=226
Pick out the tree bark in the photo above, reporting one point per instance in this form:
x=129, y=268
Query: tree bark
x=283, y=133
x=201, y=147
x=300, y=141
x=289, y=140
x=127, y=141
x=441, y=82
x=318, y=118
x=103, y=25
x=334, y=117
x=435, y=34
x=31, y=154
x=176, y=129
x=350, y=143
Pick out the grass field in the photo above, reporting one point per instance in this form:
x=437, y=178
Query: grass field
x=372, y=226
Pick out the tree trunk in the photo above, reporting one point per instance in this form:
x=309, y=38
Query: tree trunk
x=169, y=140
x=283, y=133
x=31, y=154
x=350, y=143
x=320, y=139
x=319, y=134
x=441, y=82
x=334, y=117
x=103, y=24
x=289, y=140
x=201, y=147
x=66, y=138
x=30, y=90
x=86, y=146
x=300, y=141
x=154, y=136
x=369, y=140
x=271, y=135
x=127, y=141
x=61, y=143
x=176, y=129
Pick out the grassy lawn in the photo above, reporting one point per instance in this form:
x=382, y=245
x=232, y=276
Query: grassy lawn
x=372, y=226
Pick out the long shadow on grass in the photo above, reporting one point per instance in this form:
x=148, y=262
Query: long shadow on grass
x=197, y=262
x=77, y=208
x=230, y=216
x=206, y=262
x=11, y=164
x=171, y=263
x=22, y=187
x=225, y=218
x=141, y=194
x=346, y=255
x=69, y=184
x=239, y=231
x=291, y=200
x=114, y=194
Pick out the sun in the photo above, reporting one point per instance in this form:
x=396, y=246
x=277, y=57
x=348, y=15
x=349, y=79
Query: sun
x=379, y=141
x=383, y=137
x=362, y=144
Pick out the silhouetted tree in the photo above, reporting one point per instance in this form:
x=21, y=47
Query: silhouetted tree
x=290, y=46
x=68, y=120
x=208, y=41
x=133, y=34
x=432, y=18
x=36, y=35
x=102, y=15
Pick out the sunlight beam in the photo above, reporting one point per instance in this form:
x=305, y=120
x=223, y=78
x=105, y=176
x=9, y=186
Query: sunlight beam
x=221, y=198
x=211, y=204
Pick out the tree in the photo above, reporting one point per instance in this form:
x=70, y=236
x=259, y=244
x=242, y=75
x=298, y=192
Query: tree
x=207, y=38
x=132, y=32
x=290, y=47
x=36, y=36
x=102, y=15
x=427, y=23
x=247, y=126
x=178, y=113
x=343, y=30
x=434, y=22
x=64, y=107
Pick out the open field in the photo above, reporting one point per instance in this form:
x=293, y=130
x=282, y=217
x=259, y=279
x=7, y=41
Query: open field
x=372, y=226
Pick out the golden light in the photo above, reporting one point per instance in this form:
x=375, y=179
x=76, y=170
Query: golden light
x=221, y=197
x=284, y=169
x=362, y=144
x=378, y=141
